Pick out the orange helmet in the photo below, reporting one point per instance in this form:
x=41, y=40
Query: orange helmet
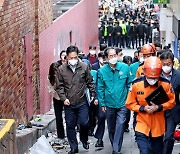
x=148, y=49
x=152, y=67
x=153, y=46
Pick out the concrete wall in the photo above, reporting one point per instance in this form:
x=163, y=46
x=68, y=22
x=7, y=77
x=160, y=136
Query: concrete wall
x=82, y=22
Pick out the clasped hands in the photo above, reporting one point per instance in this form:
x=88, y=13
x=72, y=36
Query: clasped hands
x=151, y=109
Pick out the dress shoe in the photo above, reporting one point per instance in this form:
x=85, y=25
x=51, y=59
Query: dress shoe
x=90, y=133
x=73, y=151
x=85, y=145
x=99, y=143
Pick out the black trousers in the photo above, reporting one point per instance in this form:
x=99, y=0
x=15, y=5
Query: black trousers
x=58, y=108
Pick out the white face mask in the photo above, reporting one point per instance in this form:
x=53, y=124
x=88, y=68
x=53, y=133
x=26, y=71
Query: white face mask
x=113, y=60
x=120, y=58
x=62, y=57
x=101, y=61
x=92, y=52
x=166, y=69
x=73, y=62
x=152, y=81
x=141, y=59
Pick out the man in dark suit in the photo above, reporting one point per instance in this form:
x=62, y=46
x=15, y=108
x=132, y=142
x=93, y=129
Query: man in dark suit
x=172, y=116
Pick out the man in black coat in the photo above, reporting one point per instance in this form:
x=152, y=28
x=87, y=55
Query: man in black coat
x=110, y=30
x=141, y=32
x=117, y=35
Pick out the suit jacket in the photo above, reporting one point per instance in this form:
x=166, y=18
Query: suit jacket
x=176, y=86
x=95, y=66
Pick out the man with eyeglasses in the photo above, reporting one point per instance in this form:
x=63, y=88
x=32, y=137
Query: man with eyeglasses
x=113, y=84
x=172, y=116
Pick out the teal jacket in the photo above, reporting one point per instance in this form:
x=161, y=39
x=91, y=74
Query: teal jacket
x=113, y=85
x=133, y=70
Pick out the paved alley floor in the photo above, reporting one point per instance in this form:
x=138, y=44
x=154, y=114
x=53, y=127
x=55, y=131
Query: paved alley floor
x=129, y=145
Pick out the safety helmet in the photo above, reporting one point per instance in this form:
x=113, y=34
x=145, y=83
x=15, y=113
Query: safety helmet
x=152, y=67
x=153, y=46
x=148, y=49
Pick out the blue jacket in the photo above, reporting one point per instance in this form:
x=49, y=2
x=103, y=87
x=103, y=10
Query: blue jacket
x=95, y=66
x=175, y=81
x=113, y=85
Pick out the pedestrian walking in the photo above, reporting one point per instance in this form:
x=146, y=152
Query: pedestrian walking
x=113, y=84
x=57, y=102
x=172, y=116
x=150, y=120
x=73, y=78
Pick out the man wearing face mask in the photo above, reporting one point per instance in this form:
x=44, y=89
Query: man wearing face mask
x=147, y=50
x=119, y=54
x=150, y=120
x=92, y=55
x=100, y=63
x=172, y=116
x=73, y=78
x=113, y=85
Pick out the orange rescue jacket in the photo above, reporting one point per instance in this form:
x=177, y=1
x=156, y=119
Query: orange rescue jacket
x=140, y=71
x=149, y=123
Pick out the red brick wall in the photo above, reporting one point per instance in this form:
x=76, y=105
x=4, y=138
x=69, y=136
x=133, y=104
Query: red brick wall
x=82, y=21
x=17, y=18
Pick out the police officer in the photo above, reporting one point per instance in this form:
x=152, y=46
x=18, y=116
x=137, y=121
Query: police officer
x=150, y=120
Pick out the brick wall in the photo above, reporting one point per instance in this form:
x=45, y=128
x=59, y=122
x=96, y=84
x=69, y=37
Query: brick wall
x=17, y=18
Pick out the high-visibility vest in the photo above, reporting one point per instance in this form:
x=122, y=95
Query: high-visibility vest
x=105, y=31
x=124, y=30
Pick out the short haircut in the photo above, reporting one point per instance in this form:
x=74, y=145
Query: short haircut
x=127, y=59
x=107, y=51
x=118, y=50
x=92, y=47
x=61, y=53
x=167, y=55
x=136, y=52
x=160, y=52
x=72, y=49
x=103, y=46
x=101, y=55
x=158, y=45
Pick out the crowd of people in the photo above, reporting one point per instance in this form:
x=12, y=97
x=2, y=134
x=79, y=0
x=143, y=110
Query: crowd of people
x=126, y=25
x=108, y=85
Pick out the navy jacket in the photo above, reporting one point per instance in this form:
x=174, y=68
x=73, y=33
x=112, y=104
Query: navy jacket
x=175, y=81
x=95, y=66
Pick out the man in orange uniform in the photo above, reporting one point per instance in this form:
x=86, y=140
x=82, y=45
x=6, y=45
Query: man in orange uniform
x=150, y=121
x=147, y=51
